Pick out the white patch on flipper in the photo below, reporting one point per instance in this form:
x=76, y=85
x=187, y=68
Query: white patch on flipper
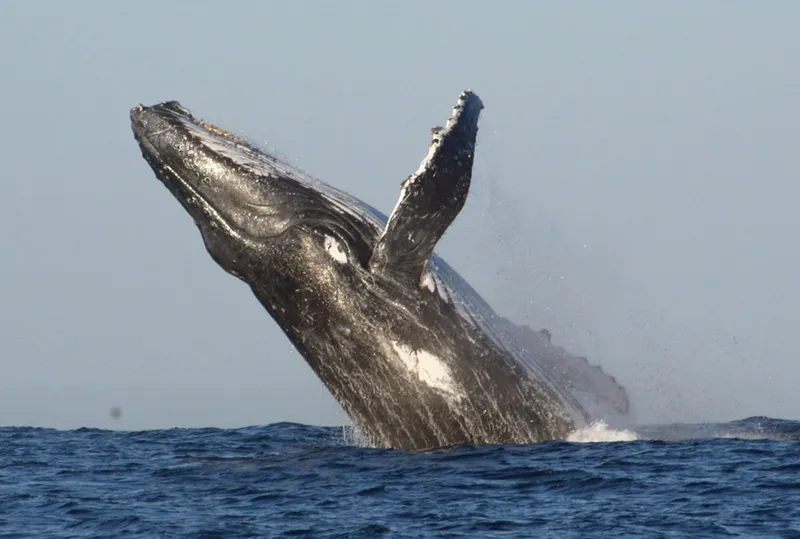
x=335, y=249
x=397, y=205
x=426, y=367
x=427, y=281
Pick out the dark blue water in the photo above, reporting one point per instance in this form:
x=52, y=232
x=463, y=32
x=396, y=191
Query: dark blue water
x=289, y=480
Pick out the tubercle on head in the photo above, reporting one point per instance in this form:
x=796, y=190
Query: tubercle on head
x=175, y=108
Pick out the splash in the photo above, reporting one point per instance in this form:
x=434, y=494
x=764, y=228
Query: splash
x=352, y=436
x=599, y=431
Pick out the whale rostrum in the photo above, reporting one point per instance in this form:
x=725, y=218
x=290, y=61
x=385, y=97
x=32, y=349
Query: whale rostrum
x=416, y=358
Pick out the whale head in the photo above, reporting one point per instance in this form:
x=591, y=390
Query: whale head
x=252, y=210
x=257, y=214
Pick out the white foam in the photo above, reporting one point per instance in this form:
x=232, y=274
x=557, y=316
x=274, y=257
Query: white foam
x=335, y=249
x=352, y=435
x=598, y=432
x=428, y=368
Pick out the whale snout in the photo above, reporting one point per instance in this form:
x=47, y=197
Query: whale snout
x=141, y=111
x=156, y=125
x=141, y=117
x=227, y=186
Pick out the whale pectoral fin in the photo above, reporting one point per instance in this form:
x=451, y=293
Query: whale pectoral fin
x=431, y=198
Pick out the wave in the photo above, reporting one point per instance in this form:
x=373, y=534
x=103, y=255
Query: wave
x=751, y=428
x=303, y=436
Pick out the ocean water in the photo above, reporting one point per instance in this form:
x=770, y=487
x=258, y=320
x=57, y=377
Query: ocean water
x=739, y=479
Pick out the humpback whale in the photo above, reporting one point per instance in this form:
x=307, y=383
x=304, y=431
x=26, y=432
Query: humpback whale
x=416, y=358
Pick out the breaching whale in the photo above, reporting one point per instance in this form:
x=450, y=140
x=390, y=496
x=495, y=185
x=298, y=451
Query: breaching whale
x=413, y=354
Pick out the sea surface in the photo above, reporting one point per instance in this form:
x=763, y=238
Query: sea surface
x=739, y=479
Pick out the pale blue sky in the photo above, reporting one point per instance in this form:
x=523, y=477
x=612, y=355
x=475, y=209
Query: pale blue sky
x=635, y=190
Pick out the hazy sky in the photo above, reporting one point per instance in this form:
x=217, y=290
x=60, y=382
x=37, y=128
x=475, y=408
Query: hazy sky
x=636, y=190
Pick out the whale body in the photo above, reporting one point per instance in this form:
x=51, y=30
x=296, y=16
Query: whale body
x=416, y=358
